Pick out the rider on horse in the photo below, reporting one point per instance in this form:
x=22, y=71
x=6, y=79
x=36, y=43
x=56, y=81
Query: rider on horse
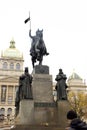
x=35, y=40
x=38, y=48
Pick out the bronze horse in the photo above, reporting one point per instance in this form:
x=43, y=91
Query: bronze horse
x=38, y=48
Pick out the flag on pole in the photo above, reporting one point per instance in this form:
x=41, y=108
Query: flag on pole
x=27, y=20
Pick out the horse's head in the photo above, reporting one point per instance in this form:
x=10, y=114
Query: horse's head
x=39, y=33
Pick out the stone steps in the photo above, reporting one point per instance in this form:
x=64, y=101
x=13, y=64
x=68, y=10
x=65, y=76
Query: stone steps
x=37, y=127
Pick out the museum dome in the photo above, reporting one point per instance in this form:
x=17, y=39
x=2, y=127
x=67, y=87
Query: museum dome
x=75, y=80
x=12, y=52
x=75, y=76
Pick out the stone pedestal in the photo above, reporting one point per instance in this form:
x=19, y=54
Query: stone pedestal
x=44, y=106
x=42, y=84
x=63, y=108
x=42, y=109
x=41, y=69
x=26, y=112
x=42, y=88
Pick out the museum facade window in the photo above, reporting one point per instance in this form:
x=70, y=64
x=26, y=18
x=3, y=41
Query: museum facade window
x=11, y=66
x=5, y=65
x=3, y=93
x=9, y=111
x=10, y=94
x=17, y=66
x=2, y=114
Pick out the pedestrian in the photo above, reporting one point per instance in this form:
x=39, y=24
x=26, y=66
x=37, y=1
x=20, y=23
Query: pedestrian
x=75, y=123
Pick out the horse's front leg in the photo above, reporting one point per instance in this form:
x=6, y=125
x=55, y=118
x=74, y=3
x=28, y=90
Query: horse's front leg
x=40, y=61
x=32, y=62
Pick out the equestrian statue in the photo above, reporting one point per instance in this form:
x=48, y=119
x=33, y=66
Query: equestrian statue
x=38, y=48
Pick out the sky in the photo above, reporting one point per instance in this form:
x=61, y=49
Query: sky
x=64, y=24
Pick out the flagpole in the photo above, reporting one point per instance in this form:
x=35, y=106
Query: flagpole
x=30, y=20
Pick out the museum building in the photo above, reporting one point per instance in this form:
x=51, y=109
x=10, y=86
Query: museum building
x=76, y=83
x=11, y=67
